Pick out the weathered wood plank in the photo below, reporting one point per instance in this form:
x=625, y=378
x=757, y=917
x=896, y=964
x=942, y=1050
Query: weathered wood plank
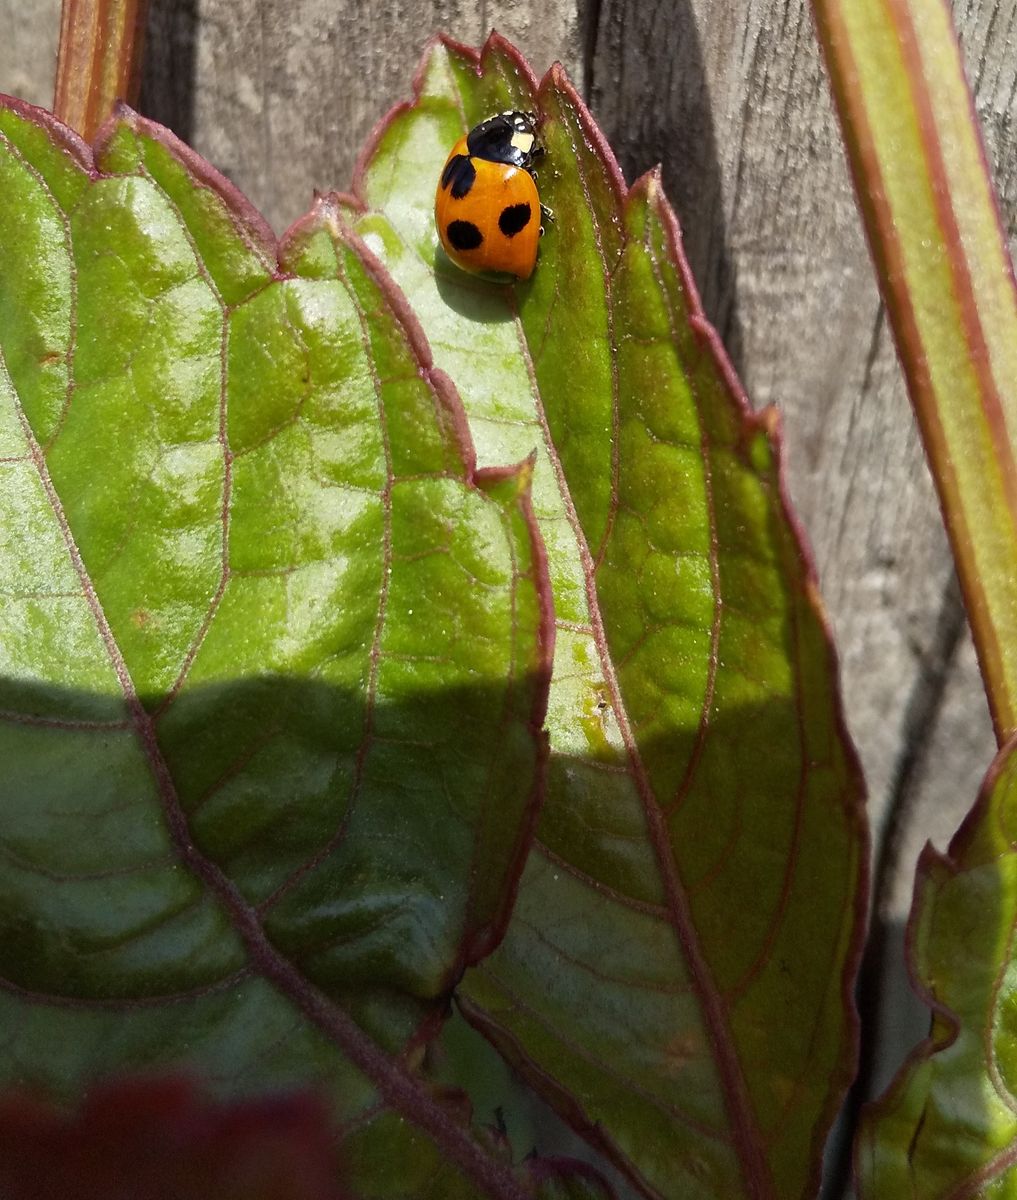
x=288, y=93
x=28, y=49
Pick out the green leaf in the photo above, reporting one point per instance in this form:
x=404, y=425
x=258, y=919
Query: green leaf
x=948, y=1124
x=948, y=283
x=676, y=977
x=565, y=1179
x=272, y=652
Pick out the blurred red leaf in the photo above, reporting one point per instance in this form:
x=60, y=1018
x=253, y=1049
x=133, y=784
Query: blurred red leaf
x=160, y=1139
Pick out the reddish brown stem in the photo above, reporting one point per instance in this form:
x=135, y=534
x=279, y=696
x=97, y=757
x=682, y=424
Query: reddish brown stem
x=101, y=44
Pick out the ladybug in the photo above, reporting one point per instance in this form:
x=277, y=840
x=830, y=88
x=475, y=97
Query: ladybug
x=486, y=208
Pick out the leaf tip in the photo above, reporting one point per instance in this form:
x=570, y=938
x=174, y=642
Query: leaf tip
x=121, y=116
x=66, y=138
x=770, y=421
x=497, y=45
x=253, y=226
x=648, y=189
x=559, y=76
x=326, y=212
x=122, y=111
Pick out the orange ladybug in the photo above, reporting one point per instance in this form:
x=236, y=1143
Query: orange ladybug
x=487, y=208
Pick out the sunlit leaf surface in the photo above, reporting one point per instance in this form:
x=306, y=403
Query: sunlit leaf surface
x=676, y=976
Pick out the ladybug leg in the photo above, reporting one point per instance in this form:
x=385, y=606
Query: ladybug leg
x=545, y=215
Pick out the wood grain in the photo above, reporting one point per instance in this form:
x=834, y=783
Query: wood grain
x=288, y=92
x=28, y=49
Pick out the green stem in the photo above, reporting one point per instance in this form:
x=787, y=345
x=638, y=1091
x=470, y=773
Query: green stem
x=933, y=226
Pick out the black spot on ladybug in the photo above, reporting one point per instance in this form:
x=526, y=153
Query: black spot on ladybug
x=513, y=219
x=460, y=173
x=464, y=235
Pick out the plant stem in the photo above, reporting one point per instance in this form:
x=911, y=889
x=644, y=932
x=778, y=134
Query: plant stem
x=933, y=226
x=101, y=43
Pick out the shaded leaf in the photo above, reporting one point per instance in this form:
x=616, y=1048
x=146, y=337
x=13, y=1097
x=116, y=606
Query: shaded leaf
x=948, y=1124
x=677, y=973
x=567, y=1179
x=272, y=651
